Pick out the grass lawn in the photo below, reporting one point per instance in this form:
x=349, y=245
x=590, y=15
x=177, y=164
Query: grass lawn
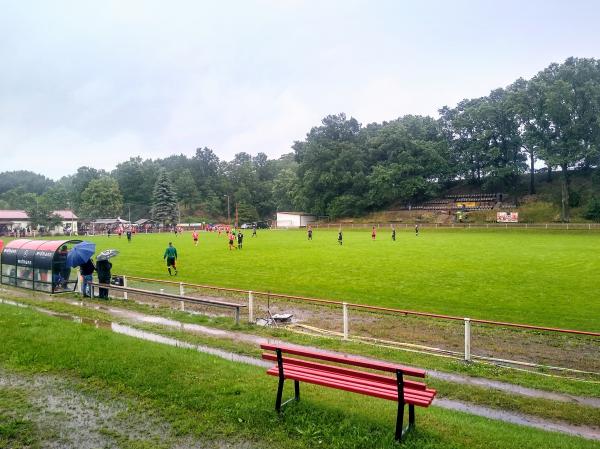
x=219, y=400
x=530, y=276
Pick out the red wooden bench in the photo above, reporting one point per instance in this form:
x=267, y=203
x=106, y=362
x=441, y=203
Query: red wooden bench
x=395, y=388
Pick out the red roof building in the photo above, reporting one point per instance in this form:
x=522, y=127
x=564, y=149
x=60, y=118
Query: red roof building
x=11, y=220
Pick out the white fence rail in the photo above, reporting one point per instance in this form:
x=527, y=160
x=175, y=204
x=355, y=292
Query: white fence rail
x=465, y=338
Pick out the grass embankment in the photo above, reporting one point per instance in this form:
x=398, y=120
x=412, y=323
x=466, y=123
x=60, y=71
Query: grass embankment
x=535, y=277
x=216, y=399
x=567, y=412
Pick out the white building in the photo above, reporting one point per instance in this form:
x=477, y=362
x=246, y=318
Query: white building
x=294, y=219
x=14, y=220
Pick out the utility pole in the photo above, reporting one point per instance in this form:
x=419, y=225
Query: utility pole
x=228, y=213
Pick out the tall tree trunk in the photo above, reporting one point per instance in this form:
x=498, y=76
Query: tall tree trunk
x=549, y=177
x=565, y=213
x=532, y=174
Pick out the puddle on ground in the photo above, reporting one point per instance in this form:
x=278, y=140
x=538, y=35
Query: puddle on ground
x=150, y=336
x=517, y=418
x=69, y=417
x=157, y=338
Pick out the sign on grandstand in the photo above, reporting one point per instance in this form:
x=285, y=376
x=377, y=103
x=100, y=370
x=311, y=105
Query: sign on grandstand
x=507, y=217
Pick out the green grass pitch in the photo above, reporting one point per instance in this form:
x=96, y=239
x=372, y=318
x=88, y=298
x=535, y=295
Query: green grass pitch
x=536, y=277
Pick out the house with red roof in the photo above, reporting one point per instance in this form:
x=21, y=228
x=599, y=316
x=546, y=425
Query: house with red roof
x=18, y=220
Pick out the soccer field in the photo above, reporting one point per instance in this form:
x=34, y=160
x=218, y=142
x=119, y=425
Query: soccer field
x=529, y=276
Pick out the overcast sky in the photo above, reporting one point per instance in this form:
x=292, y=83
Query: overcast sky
x=94, y=83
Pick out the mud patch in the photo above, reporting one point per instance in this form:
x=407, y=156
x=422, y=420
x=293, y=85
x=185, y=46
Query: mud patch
x=66, y=416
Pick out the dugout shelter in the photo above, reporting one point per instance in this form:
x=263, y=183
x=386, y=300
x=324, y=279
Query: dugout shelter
x=38, y=265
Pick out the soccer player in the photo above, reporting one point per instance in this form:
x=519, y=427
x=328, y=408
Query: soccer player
x=230, y=241
x=417, y=230
x=309, y=232
x=393, y=233
x=373, y=233
x=254, y=230
x=128, y=233
x=340, y=237
x=171, y=256
x=240, y=239
x=195, y=237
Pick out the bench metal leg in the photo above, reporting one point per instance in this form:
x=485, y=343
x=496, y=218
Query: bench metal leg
x=399, y=421
x=279, y=394
x=296, y=397
x=411, y=416
x=400, y=416
x=281, y=380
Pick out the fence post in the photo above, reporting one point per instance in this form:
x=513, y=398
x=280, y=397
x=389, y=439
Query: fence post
x=181, y=293
x=237, y=316
x=467, y=339
x=125, y=285
x=250, y=307
x=346, y=323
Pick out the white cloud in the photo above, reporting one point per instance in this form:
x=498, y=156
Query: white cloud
x=96, y=83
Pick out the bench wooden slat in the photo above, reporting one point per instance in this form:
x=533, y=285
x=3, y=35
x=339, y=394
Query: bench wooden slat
x=368, y=386
x=427, y=393
x=355, y=361
x=347, y=386
x=346, y=371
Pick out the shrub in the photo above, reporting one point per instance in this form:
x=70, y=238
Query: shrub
x=593, y=209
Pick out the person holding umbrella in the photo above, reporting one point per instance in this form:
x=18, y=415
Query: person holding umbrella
x=103, y=267
x=80, y=255
x=87, y=274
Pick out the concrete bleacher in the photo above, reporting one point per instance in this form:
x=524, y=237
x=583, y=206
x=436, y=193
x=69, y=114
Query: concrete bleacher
x=480, y=201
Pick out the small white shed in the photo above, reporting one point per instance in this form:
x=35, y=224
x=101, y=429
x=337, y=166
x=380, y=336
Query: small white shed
x=294, y=219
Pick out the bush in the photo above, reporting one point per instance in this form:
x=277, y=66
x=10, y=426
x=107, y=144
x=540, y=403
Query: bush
x=593, y=209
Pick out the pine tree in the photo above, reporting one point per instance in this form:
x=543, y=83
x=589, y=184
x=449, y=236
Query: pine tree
x=164, y=200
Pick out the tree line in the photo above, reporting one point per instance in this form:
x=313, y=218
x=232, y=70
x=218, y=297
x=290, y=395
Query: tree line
x=344, y=168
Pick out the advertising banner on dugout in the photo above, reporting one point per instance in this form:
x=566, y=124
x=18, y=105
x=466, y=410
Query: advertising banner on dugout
x=507, y=217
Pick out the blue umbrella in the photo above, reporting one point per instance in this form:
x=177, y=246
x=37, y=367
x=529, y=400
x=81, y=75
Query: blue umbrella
x=80, y=254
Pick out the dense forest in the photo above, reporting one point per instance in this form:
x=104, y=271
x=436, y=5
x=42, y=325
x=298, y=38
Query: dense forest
x=549, y=123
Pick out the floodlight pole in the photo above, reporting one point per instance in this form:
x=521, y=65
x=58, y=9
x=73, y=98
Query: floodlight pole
x=228, y=213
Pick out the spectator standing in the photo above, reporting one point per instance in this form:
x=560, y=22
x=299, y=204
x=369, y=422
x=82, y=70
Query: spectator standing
x=103, y=268
x=87, y=273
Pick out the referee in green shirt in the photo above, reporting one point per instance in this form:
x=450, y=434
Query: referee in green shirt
x=171, y=256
